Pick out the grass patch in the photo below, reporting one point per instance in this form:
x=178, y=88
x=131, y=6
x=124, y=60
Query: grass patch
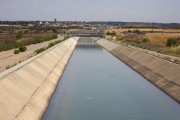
x=50, y=45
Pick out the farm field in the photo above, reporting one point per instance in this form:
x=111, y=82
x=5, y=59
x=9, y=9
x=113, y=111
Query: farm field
x=154, y=38
x=161, y=39
x=118, y=31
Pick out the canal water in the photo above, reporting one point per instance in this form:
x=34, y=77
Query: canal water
x=98, y=86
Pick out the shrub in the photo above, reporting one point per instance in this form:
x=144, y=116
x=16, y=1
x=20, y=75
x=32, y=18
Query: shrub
x=108, y=33
x=27, y=31
x=22, y=48
x=19, y=35
x=171, y=42
x=136, y=31
x=129, y=31
x=145, y=40
x=16, y=51
x=152, y=31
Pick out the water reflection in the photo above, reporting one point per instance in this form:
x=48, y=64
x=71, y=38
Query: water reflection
x=87, y=44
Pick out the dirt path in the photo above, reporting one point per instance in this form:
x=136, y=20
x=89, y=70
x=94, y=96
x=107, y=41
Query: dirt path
x=9, y=58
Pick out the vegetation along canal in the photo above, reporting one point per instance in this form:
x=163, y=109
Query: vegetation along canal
x=98, y=86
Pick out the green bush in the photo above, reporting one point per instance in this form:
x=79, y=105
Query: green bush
x=108, y=33
x=171, y=42
x=16, y=51
x=129, y=31
x=19, y=35
x=145, y=40
x=136, y=31
x=22, y=48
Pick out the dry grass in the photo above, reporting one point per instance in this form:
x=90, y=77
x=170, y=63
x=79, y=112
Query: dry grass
x=4, y=38
x=118, y=31
x=154, y=38
x=161, y=38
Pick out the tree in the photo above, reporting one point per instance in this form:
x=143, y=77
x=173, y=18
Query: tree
x=45, y=30
x=55, y=30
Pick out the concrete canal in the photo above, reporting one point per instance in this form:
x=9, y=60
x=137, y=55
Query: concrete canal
x=98, y=86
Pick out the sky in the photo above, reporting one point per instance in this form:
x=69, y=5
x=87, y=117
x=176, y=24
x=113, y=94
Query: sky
x=161, y=11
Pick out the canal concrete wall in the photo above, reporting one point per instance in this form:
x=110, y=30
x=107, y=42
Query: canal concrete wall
x=162, y=73
x=26, y=89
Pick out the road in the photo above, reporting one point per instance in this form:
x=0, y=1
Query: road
x=9, y=58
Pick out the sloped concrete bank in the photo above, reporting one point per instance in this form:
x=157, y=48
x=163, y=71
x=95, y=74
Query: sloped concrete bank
x=163, y=74
x=26, y=89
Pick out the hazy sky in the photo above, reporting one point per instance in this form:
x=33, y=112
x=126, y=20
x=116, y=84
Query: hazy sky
x=165, y=11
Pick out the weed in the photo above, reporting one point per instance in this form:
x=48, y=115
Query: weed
x=8, y=67
x=176, y=60
x=20, y=61
x=167, y=58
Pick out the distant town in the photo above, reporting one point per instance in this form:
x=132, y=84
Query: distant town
x=91, y=25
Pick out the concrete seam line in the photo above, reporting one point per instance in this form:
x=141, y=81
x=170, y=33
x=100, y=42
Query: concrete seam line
x=11, y=96
x=7, y=111
x=42, y=84
x=6, y=72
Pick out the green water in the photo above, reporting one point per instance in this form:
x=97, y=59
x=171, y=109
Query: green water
x=98, y=86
